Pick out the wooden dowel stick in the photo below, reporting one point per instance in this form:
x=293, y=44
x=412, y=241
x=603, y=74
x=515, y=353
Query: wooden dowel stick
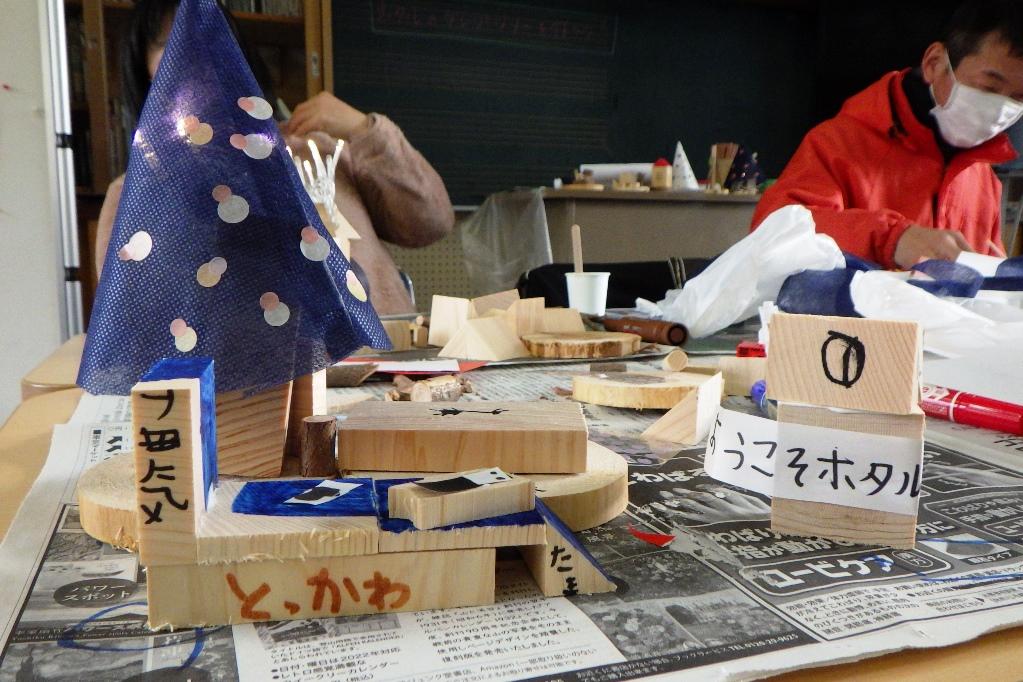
x=319, y=446
x=577, y=249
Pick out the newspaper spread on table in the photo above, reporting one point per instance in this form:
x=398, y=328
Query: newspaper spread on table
x=726, y=598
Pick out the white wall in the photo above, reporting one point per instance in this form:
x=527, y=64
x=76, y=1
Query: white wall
x=30, y=270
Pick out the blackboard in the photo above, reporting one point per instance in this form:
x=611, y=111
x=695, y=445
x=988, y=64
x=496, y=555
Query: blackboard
x=504, y=94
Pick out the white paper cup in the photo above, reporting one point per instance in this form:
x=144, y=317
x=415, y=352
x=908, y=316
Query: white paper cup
x=587, y=291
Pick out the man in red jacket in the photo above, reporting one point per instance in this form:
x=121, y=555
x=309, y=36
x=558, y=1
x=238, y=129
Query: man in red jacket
x=903, y=173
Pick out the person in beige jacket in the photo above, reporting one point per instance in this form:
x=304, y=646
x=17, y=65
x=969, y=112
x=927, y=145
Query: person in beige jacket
x=384, y=187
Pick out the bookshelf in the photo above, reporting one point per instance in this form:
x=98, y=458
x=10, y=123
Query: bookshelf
x=292, y=36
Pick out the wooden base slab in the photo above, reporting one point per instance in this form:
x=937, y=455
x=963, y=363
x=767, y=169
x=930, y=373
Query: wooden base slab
x=221, y=594
x=582, y=345
x=224, y=536
x=518, y=437
x=638, y=390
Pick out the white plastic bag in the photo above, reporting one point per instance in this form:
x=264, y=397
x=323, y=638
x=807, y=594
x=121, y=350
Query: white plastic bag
x=504, y=238
x=751, y=272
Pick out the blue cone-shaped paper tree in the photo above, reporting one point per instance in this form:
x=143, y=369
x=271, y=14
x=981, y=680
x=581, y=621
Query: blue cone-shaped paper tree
x=217, y=250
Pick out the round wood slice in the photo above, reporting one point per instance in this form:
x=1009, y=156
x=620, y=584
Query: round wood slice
x=106, y=501
x=582, y=344
x=638, y=390
x=107, y=507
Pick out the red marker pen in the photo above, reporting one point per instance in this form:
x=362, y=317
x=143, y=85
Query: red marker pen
x=973, y=410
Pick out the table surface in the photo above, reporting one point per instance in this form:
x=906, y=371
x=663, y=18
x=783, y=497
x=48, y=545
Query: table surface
x=652, y=195
x=25, y=442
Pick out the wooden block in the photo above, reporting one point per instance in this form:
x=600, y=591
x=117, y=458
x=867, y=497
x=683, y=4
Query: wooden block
x=400, y=334
x=447, y=315
x=871, y=365
x=420, y=336
x=691, y=420
x=224, y=536
x=582, y=344
x=584, y=500
x=319, y=447
x=106, y=502
x=563, y=567
x=468, y=537
x=741, y=373
x=221, y=594
x=428, y=509
x=866, y=526
x=560, y=321
x=675, y=361
x=862, y=526
x=526, y=315
x=502, y=300
x=252, y=431
x=175, y=461
x=484, y=338
x=639, y=390
x=308, y=398
x=518, y=437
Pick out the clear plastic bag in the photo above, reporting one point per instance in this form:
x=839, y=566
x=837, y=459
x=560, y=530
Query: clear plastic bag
x=504, y=238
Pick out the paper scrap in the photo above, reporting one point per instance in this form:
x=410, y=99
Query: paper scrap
x=985, y=265
x=323, y=492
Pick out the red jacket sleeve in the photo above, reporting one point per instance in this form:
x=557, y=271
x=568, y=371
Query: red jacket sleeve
x=814, y=179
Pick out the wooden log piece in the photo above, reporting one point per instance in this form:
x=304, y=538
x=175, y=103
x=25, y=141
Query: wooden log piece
x=448, y=388
x=349, y=374
x=582, y=344
x=675, y=361
x=318, y=458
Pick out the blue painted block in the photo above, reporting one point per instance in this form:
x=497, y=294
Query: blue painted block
x=200, y=368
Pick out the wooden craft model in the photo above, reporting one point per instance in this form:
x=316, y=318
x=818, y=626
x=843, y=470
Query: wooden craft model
x=218, y=553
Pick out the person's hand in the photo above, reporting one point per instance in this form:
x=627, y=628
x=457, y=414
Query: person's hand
x=926, y=243
x=325, y=113
x=300, y=143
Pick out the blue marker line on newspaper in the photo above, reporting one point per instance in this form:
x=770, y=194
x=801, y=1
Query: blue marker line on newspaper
x=67, y=638
x=886, y=563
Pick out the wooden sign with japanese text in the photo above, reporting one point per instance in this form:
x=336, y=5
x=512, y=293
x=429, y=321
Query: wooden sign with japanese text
x=168, y=469
x=871, y=365
x=250, y=591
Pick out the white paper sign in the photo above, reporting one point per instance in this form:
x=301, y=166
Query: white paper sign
x=741, y=450
x=323, y=492
x=851, y=469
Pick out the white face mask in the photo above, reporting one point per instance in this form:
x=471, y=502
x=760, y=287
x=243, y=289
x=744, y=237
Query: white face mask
x=971, y=117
